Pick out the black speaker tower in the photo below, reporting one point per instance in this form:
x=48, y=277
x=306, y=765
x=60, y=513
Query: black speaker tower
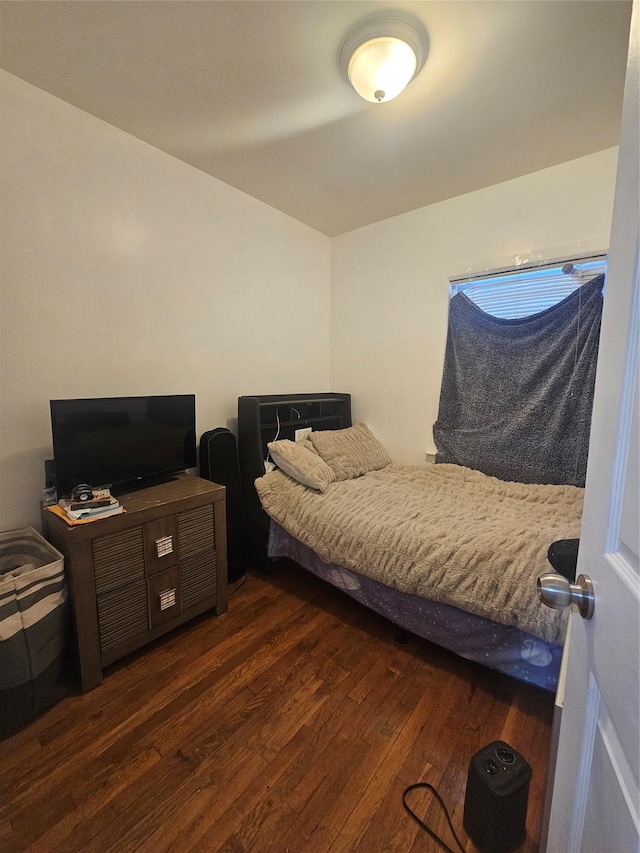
x=219, y=463
x=495, y=803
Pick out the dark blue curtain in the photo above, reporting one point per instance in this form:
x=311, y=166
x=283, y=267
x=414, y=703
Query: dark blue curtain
x=517, y=395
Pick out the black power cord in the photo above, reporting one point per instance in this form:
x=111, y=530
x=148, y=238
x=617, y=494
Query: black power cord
x=422, y=824
x=239, y=583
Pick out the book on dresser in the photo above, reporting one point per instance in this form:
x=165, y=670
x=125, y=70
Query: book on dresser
x=99, y=508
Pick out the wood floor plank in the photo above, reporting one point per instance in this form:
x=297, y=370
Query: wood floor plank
x=384, y=772
x=189, y=773
x=322, y=787
x=389, y=827
x=69, y=833
x=333, y=821
x=128, y=718
x=270, y=793
x=293, y=722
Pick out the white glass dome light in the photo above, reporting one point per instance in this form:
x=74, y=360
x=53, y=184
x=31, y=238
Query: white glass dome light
x=381, y=68
x=382, y=54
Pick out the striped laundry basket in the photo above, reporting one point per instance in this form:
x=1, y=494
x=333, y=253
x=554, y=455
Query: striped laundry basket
x=35, y=669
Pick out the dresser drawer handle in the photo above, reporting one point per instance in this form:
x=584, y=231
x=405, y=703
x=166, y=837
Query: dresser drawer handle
x=167, y=599
x=164, y=546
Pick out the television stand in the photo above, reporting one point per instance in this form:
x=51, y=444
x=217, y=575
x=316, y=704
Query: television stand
x=133, y=577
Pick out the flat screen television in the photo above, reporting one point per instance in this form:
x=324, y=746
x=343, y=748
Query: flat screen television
x=122, y=442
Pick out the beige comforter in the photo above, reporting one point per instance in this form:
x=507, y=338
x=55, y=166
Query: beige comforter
x=443, y=532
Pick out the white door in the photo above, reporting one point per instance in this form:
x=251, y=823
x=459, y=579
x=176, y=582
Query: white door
x=595, y=800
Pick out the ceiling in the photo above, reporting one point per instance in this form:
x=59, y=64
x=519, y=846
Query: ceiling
x=249, y=91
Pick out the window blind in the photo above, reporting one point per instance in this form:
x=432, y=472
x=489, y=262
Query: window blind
x=512, y=294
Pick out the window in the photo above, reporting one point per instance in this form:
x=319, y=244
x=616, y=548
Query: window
x=520, y=293
x=517, y=388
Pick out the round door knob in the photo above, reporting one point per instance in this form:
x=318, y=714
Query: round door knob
x=557, y=592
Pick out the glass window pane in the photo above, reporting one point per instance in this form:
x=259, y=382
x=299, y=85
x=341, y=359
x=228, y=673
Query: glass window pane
x=521, y=293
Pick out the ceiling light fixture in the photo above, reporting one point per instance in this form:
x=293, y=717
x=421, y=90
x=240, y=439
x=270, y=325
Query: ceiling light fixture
x=381, y=54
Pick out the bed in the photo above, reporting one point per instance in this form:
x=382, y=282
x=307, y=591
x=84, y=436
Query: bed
x=443, y=551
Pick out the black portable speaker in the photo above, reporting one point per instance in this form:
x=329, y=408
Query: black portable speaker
x=495, y=803
x=219, y=463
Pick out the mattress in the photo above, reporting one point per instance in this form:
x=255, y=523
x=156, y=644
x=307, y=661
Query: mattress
x=443, y=532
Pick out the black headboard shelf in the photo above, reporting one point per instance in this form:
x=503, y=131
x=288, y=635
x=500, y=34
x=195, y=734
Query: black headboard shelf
x=260, y=420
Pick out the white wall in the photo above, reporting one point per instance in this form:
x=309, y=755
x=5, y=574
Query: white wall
x=389, y=285
x=124, y=271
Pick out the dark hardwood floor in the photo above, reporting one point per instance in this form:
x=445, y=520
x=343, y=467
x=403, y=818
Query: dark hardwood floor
x=291, y=723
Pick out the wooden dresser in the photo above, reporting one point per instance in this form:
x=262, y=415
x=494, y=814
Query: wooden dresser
x=137, y=575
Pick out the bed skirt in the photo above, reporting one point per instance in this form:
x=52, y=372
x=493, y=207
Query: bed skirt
x=500, y=647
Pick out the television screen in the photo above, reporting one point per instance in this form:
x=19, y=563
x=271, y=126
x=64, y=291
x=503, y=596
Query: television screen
x=122, y=441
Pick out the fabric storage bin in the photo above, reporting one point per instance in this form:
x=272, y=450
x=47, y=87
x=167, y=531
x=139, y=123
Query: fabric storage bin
x=34, y=628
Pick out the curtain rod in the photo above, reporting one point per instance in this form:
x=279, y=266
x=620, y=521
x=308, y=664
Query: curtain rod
x=526, y=267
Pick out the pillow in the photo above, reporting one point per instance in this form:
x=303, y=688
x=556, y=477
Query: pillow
x=350, y=452
x=299, y=460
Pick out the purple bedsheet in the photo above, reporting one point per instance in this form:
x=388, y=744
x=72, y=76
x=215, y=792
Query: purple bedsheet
x=500, y=647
